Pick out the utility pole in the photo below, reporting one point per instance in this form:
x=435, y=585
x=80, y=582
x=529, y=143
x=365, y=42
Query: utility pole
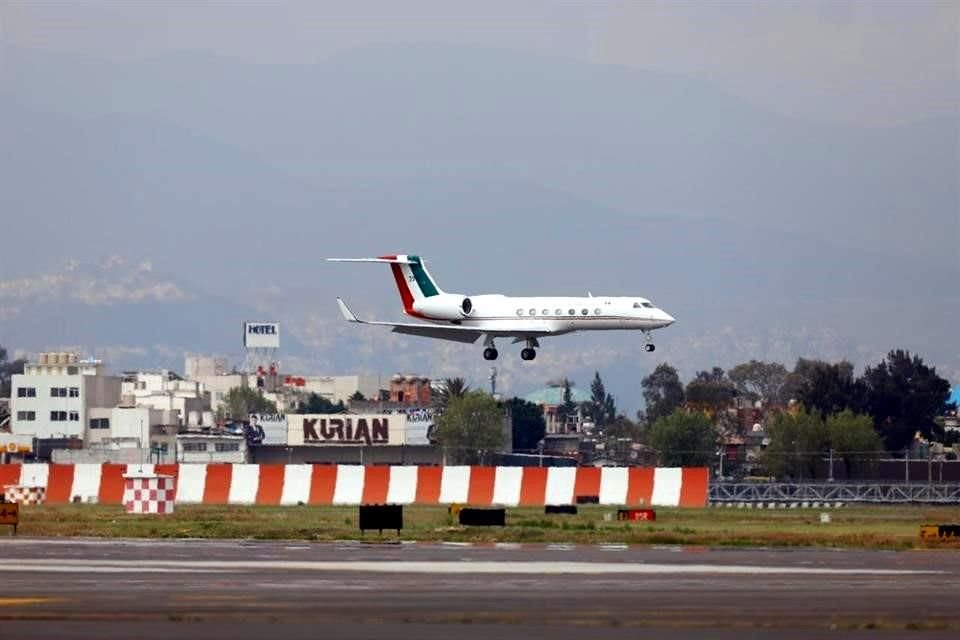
x=830, y=479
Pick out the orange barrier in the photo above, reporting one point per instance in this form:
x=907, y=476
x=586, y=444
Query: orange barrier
x=273, y=484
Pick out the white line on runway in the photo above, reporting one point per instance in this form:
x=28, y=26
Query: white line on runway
x=432, y=567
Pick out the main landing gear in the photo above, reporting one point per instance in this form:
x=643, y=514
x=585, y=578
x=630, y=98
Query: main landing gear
x=528, y=353
x=649, y=346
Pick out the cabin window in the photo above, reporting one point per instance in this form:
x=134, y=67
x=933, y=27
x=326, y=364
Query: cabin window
x=596, y=311
x=559, y=312
x=533, y=312
x=546, y=312
x=572, y=312
x=519, y=312
x=584, y=312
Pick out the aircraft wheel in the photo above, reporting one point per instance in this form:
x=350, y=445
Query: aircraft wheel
x=528, y=354
x=649, y=347
x=490, y=353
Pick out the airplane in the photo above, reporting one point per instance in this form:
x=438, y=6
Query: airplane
x=465, y=319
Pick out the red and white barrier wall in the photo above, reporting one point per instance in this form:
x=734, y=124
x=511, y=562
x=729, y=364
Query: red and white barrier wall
x=271, y=484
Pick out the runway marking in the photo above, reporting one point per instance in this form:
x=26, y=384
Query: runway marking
x=433, y=567
x=16, y=602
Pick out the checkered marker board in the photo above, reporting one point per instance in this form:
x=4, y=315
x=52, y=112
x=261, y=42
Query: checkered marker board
x=24, y=495
x=150, y=494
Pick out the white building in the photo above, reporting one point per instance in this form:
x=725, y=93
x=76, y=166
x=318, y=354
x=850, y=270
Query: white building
x=336, y=388
x=54, y=396
x=203, y=448
x=167, y=391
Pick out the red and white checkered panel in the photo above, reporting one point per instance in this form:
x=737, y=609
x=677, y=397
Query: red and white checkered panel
x=149, y=495
x=24, y=495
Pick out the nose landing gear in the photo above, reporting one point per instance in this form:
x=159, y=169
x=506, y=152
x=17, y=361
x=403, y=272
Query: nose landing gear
x=649, y=346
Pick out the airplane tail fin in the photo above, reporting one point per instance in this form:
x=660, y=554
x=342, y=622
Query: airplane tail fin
x=413, y=280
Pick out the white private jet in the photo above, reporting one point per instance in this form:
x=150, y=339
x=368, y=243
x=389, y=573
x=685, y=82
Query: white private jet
x=465, y=318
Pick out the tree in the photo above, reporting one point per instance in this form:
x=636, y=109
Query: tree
x=622, y=427
x=240, y=402
x=796, y=442
x=683, y=439
x=568, y=407
x=602, y=407
x=451, y=388
x=762, y=381
x=829, y=388
x=529, y=427
x=471, y=427
x=853, y=438
x=903, y=395
x=662, y=392
x=710, y=391
x=7, y=371
x=357, y=396
x=318, y=404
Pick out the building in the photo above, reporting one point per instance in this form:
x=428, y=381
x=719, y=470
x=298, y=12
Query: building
x=209, y=448
x=410, y=390
x=54, y=396
x=550, y=398
x=333, y=388
x=165, y=390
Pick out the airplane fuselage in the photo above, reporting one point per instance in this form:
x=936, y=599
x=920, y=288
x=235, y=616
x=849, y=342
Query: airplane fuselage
x=553, y=315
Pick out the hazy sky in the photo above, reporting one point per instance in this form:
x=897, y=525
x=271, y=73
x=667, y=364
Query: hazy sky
x=784, y=177
x=857, y=61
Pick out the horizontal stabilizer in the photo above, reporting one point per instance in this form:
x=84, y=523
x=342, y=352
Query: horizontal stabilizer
x=385, y=259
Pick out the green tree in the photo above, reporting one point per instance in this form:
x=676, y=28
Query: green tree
x=904, y=395
x=568, y=407
x=710, y=391
x=451, y=388
x=602, y=406
x=760, y=381
x=683, y=439
x=357, y=396
x=662, y=392
x=529, y=427
x=853, y=438
x=828, y=388
x=471, y=428
x=622, y=427
x=318, y=404
x=240, y=402
x=8, y=369
x=797, y=441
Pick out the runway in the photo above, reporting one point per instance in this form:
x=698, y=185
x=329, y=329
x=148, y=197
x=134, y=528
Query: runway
x=86, y=588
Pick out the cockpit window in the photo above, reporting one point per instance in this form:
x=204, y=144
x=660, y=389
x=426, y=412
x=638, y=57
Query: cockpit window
x=645, y=305
x=648, y=305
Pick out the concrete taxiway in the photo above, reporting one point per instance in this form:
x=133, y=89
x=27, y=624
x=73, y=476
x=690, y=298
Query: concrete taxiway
x=83, y=588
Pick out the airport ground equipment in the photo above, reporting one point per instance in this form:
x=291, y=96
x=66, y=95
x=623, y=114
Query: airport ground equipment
x=381, y=516
x=483, y=517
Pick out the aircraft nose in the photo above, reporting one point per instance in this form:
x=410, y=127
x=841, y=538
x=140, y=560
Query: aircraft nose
x=667, y=318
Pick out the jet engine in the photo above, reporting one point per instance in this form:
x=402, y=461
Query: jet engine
x=446, y=306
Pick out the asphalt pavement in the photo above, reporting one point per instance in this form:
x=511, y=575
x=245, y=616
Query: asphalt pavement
x=90, y=588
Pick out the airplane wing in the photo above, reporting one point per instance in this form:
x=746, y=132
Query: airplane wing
x=467, y=335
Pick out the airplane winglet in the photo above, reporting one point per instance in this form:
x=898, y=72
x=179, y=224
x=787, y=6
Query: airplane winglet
x=345, y=310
